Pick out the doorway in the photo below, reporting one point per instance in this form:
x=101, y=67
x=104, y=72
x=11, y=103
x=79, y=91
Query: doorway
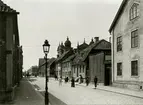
x=107, y=78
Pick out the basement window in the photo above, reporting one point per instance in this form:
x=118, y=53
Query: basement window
x=119, y=69
x=134, y=68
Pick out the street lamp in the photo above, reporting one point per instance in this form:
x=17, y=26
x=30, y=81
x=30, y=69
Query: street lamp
x=46, y=48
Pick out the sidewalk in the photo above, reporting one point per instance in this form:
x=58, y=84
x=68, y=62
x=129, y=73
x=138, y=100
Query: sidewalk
x=26, y=95
x=124, y=91
x=133, y=93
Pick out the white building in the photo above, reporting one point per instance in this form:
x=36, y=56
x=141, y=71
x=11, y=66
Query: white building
x=127, y=45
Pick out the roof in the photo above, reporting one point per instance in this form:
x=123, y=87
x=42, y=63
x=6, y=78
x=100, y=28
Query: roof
x=6, y=9
x=51, y=61
x=69, y=58
x=42, y=62
x=69, y=52
x=121, y=8
x=83, y=46
x=81, y=57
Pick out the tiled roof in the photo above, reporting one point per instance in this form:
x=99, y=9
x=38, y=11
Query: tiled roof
x=121, y=8
x=6, y=8
x=81, y=57
x=69, y=58
x=82, y=46
x=63, y=55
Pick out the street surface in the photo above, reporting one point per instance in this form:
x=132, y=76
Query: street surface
x=83, y=95
x=26, y=95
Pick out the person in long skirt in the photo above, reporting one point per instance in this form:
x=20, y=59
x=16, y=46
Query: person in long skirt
x=87, y=81
x=72, y=82
x=60, y=81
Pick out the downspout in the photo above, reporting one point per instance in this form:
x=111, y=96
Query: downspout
x=113, y=56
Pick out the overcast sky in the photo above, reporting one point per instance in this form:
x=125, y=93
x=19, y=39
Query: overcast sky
x=56, y=19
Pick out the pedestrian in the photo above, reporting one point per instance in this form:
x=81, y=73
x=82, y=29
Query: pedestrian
x=67, y=79
x=95, y=81
x=55, y=77
x=72, y=82
x=80, y=79
x=60, y=81
x=87, y=81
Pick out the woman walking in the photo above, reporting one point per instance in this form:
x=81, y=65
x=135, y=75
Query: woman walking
x=87, y=81
x=72, y=82
x=60, y=81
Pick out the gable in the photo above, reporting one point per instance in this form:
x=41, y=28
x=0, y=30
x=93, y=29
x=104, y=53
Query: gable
x=103, y=45
x=118, y=14
x=5, y=8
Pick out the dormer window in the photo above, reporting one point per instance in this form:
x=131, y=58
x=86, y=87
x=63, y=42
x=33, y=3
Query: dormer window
x=134, y=11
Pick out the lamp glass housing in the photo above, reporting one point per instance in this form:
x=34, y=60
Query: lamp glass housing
x=46, y=47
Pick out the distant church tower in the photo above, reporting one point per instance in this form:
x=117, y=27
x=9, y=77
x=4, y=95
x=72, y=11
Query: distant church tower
x=64, y=47
x=67, y=44
x=60, y=49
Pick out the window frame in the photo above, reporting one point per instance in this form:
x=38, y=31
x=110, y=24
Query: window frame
x=119, y=43
x=134, y=39
x=133, y=71
x=80, y=69
x=119, y=69
x=134, y=11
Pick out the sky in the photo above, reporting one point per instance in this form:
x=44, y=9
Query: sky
x=54, y=20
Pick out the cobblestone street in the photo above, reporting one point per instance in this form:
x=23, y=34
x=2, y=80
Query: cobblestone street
x=83, y=95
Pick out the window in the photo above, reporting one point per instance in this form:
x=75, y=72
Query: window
x=83, y=69
x=134, y=68
x=74, y=69
x=119, y=43
x=80, y=69
x=119, y=69
x=134, y=11
x=134, y=39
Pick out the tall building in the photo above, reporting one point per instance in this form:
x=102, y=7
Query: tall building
x=127, y=45
x=10, y=53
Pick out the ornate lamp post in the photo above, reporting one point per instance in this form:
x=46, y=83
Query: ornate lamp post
x=46, y=48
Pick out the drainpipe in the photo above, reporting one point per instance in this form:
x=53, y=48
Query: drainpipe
x=113, y=56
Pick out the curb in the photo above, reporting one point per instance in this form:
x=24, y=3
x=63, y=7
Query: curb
x=115, y=92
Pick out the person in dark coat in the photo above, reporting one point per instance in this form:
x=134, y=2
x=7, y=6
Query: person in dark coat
x=95, y=81
x=87, y=81
x=67, y=79
x=56, y=77
x=72, y=82
x=80, y=79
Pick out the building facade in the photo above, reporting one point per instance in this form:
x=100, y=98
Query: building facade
x=100, y=62
x=67, y=66
x=127, y=45
x=11, y=57
x=64, y=51
x=42, y=67
x=80, y=65
x=52, y=67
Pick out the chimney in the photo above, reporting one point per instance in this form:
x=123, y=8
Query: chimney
x=110, y=39
x=96, y=39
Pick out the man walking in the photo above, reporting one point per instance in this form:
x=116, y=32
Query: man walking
x=95, y=81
